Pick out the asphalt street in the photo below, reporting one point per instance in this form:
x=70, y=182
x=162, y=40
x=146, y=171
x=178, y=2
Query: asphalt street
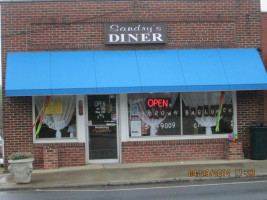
x=223, y=189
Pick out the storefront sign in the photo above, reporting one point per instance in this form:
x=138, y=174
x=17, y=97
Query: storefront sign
x=100, y=109
x=136, y=128
x=193, y=112
x=54, y=107
x=156, y=113
x=207, y=111
x=186, y=111
x=169, y=113
x=227, y=110
x=176, y=113
x=213, y=110
x=160, y=103
x=102, y=129
x=135, y=33
x=168, y=125
x=199, y=111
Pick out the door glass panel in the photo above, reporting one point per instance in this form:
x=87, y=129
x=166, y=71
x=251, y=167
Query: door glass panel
x=102, y=127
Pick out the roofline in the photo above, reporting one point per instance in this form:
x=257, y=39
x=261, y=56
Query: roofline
x=33, y=1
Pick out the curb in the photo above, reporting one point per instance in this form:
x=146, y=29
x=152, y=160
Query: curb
x=120, y=183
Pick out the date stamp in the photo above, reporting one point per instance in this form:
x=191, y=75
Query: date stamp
x=222, y=173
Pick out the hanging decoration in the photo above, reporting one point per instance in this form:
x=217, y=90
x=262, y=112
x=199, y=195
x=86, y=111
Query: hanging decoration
x=40, y=116
x=217, y=129
x=232, y=137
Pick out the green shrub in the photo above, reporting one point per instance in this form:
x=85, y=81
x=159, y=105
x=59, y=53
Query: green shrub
x=19, y=156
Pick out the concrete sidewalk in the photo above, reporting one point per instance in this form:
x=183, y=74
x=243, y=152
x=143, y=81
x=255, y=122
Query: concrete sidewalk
x=116, y=174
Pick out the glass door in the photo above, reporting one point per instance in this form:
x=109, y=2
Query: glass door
x=102, y=125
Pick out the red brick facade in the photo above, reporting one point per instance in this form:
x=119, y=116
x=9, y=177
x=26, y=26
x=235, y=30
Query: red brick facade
x=234, y=151
x=133, y=152
x=250, y=107
x=264, y=38
x=264, y=56
x=78, y=25
x=50, y=157
x=60, y=155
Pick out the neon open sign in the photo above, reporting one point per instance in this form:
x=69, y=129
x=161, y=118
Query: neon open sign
x=160, y=103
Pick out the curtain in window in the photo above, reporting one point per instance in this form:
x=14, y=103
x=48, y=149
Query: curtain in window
x=195, y=99
x=58, y=121
x=140, y=101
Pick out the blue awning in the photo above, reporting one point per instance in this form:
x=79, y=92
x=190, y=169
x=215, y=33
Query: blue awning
x=100, y=72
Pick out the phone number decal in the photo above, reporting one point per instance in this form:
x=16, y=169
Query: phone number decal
x=222, y=173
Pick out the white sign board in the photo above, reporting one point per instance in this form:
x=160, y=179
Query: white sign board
x=136, y=130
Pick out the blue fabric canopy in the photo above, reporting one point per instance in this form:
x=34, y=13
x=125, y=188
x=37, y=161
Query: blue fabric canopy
x=100, y=72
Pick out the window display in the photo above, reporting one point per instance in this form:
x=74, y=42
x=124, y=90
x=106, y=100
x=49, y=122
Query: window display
x=201, y=113
x=161, y=114
x=59, y=119
x=155, y=114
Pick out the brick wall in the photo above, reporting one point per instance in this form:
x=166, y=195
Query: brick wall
x=264, y=38
x=71, y=155
x=78, y=25
x=234, y=151
x=264, y=56
x=17, y=124
x=68, y=154
x=265, y=105
x=158, y=151
x=50, y=156
x=250, y=107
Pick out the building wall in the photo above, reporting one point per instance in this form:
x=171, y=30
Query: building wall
x=70, y=154
x=250, y=107
x=264, y=38
x=78, y=25
x=264, y=55
x=151, y=151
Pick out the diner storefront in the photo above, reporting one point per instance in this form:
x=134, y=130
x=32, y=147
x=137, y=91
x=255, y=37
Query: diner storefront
x=86, y=86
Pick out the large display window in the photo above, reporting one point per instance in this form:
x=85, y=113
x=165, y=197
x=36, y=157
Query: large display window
x=202, y=113
x=161, y=114
x=55, y=117
x=155, y=114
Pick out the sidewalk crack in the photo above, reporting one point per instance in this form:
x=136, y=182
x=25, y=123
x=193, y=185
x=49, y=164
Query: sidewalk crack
x=106, y=173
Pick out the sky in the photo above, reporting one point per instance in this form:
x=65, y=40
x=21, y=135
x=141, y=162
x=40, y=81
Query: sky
x=264, y=5
x=263, y=8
